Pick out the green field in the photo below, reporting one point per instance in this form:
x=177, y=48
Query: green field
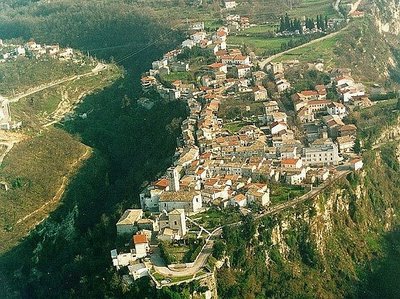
x=260, y=29
x=19, y=75
x=234, y=126
x=319, y=50
x=237, y=107
x=312, y=8
x=281, y=193
x=258, y=44
x=173, y=76
x=214, y=217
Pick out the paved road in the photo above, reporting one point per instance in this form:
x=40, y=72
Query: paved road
x=198, y=264
x=309, y=195
x=263, y=62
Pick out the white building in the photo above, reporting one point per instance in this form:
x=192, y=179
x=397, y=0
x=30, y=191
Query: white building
x=138, y=271
x=20, y=51
x=229, y=4
x=295, y=176
x=197, y=26
x=173, y=225
x=335, y=108
x=357, y=164
x=198, y=36
x=277, y=127
x=149, y=199
x=260, y=93
x=345, y=143
x=188, y=44
x=291, y=163
x=243, y=71
x=190, y=201
x=282, y=85
x=258, y=193
x=321, y=152
x=141, y=245
x=239, y=200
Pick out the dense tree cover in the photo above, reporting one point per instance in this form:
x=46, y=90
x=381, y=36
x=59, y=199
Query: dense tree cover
x=306, y=80
x=71, y=249
x=291, y=25
x=382, y=281
x=287, y=24
x=68, y=255
x=103, y=28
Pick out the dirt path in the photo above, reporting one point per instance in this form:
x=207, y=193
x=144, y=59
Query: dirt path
x=64, y=107
x=99, y=67
x=354, y=7
x=60, y=191
x=9, y=145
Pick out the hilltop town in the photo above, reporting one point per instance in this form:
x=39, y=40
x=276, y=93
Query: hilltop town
x=252, y=142
x=10, y=52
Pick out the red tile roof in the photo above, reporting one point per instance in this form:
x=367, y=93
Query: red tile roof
x=308, y=93
x=139, y=239
x=162, y=183
x=289, y=161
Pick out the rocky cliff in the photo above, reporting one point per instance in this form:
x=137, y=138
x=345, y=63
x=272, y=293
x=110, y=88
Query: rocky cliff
x=387, y=15
x=323, y=248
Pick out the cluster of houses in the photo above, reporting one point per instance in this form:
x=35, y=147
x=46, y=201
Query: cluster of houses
x=31, y=49
x=232, y=71
x=215, y=167
x=140, y=231
x=277, y=69
x=237, y=22
x=320, y=115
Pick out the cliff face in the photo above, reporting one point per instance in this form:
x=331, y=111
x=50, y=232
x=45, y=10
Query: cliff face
x=324, y=247
x=387, y=15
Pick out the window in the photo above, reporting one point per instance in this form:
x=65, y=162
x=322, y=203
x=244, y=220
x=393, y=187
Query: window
x=175, y=223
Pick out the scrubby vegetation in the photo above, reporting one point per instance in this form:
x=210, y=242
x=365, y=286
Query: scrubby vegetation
x=283, y=256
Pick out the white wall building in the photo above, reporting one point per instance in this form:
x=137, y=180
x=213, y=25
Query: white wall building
x=321, y=152
x=141, y=245
x=190, y=201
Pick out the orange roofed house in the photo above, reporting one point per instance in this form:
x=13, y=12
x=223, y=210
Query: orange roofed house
x=141, y=245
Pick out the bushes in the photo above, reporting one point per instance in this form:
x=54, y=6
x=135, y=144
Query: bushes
x=168, y=258
x=195, y=248
x=218, y=249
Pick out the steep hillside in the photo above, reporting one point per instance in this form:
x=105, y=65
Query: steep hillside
x=387, y=15
x=323, y=248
